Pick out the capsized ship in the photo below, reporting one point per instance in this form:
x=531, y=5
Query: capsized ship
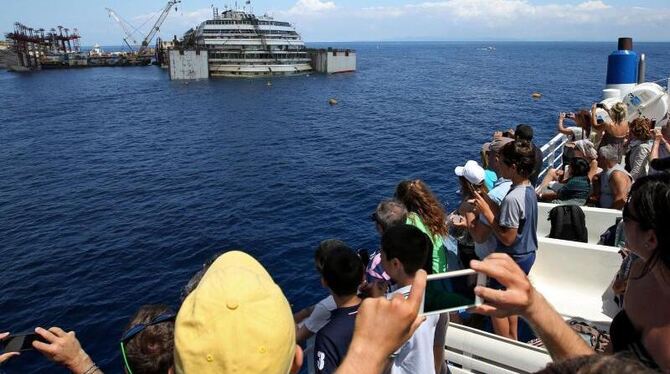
x=240, y=44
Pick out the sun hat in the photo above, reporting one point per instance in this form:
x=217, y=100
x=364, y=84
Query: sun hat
x=237, y=320
x=474, y=173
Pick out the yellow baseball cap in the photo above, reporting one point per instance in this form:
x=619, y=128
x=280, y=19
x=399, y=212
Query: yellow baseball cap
x=236, y=321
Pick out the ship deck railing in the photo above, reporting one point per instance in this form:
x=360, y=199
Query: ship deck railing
x=552, y=154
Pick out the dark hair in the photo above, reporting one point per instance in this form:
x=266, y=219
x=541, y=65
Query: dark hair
x=197, y=277
x=343, y=271
x=323, y=251
x=579, y=167
x=418, y=198
x=650, y=198
x=389, y=213
x=640, y=128
x=619, y=363
x=523, y=132
x=466, y=188
x=151, y=351
x=583, y=119
x=409, y=245
x=521, y=154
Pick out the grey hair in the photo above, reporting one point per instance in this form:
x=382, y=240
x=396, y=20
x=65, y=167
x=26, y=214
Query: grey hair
x=609, y=153
x=390, y=212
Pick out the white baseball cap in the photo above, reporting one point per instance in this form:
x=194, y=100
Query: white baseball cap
x=471, y=171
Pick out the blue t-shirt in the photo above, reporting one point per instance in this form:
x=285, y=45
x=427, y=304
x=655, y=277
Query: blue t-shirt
x=490, y=178
x=500, y=189
x=519, y=211
x=332, y=341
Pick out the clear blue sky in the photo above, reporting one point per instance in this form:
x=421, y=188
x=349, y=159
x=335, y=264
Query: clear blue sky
x=352, y=20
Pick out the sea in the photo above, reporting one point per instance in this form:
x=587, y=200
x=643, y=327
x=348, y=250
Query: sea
x=117, y=184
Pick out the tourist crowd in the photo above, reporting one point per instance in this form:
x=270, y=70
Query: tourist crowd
x=235, y=318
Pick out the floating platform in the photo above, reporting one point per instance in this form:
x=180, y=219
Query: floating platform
x=188, y=65
x=331, y=61
x=72, y=61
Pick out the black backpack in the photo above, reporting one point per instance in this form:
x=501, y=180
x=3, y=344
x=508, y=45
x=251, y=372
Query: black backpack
x=568, y=223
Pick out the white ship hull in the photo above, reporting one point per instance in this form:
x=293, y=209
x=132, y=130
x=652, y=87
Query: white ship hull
x=256, y=70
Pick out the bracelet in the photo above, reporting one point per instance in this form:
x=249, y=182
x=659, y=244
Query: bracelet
x=92, y=369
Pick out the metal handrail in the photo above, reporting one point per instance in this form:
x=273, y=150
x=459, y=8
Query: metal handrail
x=552, y=154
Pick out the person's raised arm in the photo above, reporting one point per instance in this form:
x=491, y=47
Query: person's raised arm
x=64, y=349
x=371, y=346
x=659, y=141
x=561, y=128
x=594, y=119
x=520, y=298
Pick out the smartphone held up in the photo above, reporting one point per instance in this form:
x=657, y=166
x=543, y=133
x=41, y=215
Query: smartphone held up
x=452, y=291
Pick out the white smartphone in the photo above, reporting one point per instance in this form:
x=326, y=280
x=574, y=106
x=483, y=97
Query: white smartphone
x=451, y=291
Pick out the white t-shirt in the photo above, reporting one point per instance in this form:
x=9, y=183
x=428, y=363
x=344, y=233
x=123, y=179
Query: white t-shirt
x=320, y=315
x=416, y=355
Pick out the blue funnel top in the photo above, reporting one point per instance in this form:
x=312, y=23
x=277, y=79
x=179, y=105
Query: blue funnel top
x=622, y=64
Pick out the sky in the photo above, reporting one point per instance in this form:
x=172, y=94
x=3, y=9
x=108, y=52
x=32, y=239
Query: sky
x=369, y=20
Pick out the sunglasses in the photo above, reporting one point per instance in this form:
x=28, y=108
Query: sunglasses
x=133, y=331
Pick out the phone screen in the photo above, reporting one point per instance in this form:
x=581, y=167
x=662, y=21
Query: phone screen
x=20, y=342
x=448, y=292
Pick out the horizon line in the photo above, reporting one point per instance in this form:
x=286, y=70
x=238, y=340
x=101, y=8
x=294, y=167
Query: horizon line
x=447, y=41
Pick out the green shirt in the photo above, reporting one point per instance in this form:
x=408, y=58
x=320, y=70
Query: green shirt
x=439, y=257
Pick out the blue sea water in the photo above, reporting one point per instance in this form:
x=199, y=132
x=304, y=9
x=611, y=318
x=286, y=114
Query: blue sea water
x=116, y=184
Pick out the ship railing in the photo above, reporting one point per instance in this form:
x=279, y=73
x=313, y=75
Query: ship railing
x=552, y=154
x=661, y=82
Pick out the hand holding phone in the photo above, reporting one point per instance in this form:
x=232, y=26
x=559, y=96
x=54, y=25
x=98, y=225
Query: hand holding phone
x=519, y=296
x=5, y=356
x=19, y=342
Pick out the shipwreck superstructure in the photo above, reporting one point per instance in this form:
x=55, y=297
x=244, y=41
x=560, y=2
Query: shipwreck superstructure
x=241, y=44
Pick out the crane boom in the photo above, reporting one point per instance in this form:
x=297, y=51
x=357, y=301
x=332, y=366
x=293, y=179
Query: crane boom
x=129, y=38
x=157, y=25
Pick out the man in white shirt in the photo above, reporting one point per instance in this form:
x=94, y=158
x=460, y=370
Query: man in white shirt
x=405, y=250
